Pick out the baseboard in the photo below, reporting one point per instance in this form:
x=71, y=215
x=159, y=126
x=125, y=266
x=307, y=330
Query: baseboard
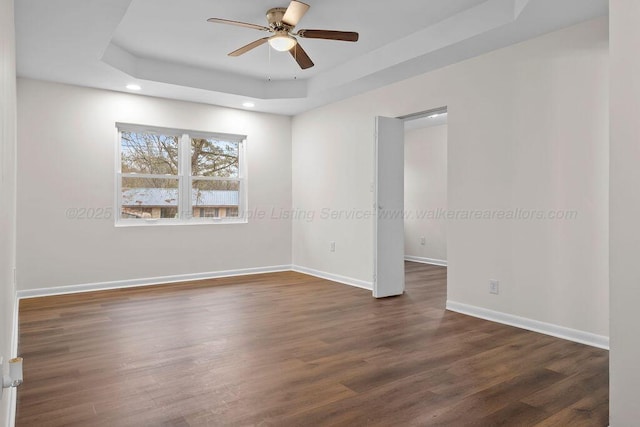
x=581, y=337
x=429, y=261
x=121, y=284
x=13, y=392
x=334, y=277
x=133, y=283
x=14, y=326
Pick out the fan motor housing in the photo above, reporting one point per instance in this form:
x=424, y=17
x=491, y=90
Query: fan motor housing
x=275, y=15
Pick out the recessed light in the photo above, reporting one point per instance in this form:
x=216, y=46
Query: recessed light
x=133, y=87
x=248, y=104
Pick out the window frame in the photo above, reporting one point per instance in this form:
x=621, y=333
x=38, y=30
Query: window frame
x=184, y=177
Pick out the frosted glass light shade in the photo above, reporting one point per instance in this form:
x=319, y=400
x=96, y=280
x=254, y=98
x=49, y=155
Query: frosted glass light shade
x=282, y=43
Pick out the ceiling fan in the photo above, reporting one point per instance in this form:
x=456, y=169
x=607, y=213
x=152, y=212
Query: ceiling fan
x=282, y=21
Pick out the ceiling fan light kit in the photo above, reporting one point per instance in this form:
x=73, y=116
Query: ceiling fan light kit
x=282, y=42
x=282, y=21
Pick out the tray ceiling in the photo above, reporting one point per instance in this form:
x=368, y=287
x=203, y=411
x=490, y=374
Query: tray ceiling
x=169, y=49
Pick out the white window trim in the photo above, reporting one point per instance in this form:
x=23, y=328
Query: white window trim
x=184, y=178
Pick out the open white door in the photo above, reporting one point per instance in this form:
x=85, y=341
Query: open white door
x=389, y=221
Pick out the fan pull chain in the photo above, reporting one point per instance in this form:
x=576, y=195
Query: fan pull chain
x=269, y=66
x=295, y=56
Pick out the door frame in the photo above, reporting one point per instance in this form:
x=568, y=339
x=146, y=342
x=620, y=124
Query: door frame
x=404, y=118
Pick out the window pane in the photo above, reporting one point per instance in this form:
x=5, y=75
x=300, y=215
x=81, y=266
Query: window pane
x=209, y=212
x=149, y=153
x=215, y=199
x=210, y=157
x=169, y=213
x=145, y=198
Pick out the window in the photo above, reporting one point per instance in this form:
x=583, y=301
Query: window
x=136, y=212
x=209, y=212
x=168, y=213
x=174, y=176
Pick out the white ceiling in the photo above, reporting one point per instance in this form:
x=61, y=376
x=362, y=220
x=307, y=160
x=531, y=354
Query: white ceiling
x=177, y=32
x=169, y=49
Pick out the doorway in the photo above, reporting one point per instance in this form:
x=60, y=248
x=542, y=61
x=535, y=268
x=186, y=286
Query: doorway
x=425, y=189
x=389, y=195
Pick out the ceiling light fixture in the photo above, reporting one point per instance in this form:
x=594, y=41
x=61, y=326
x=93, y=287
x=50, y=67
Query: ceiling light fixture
x=133, y=87
x=248, y=104
x=282, y=42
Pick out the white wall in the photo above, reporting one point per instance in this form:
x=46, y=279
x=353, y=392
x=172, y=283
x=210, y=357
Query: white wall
x=7, y=187
x=528, y=128
x=625, y=212
x=66, y=160
x=425, y=192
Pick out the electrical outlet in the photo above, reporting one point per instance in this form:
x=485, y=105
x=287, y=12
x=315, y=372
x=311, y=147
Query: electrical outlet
x=494, y=287
x=332, y=246
x=423, y=240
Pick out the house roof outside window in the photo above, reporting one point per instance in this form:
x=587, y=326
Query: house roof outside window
x=169, y=197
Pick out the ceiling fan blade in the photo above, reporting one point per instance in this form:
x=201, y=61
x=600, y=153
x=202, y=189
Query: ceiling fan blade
x=247, y=48
x=295, y=12
x=347, y=36
x=301, y=57
x=238, y=24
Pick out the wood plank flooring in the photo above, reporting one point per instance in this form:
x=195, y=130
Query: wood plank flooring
x=287, y=349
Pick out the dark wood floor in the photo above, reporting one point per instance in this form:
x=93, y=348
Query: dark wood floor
x=287, y=349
